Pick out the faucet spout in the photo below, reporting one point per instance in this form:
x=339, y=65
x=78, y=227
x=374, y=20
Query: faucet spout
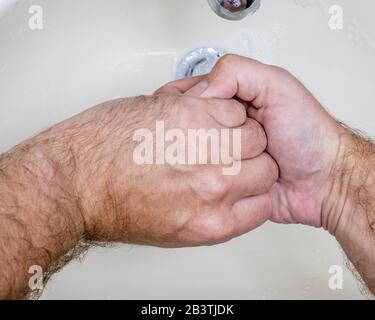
x=234, y=9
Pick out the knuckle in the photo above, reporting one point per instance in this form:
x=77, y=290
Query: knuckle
x=217, y=186
x=226, y=60
x=212, y=187
x=214, y=229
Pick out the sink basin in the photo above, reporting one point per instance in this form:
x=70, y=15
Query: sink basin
x=91, y=51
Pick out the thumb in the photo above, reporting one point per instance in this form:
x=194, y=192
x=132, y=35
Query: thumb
x=236, y=76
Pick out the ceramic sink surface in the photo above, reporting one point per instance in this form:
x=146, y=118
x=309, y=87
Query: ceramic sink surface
x=90, y=51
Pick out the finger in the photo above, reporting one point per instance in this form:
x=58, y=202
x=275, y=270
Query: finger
x=229, y=148
x=242, y=143
x=250, y=213
x=228, y=112
x=180, y=86
x=238, y=76
x=198, y=89
x=253, y=139
x=255, y=177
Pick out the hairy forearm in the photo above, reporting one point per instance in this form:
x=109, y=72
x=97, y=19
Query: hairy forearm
x=353, y=191
x=40, y=217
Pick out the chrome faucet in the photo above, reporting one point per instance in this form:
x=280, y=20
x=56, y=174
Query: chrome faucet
x=234, y=9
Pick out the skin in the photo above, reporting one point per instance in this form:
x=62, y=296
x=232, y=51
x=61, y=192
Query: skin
x=326, y=170
x=77, y=183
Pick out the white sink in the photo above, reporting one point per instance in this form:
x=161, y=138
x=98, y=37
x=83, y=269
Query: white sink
x=95, y=50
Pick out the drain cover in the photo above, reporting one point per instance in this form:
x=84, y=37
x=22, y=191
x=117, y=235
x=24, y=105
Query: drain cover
x=198, y=62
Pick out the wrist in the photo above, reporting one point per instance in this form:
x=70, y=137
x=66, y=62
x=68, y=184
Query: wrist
x=348, y=212
x=34, y=176
x=39, y=215
x=352, y=180
x=37, y=192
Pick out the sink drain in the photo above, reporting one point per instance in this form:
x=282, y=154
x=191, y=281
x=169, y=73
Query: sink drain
x=198, y=62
